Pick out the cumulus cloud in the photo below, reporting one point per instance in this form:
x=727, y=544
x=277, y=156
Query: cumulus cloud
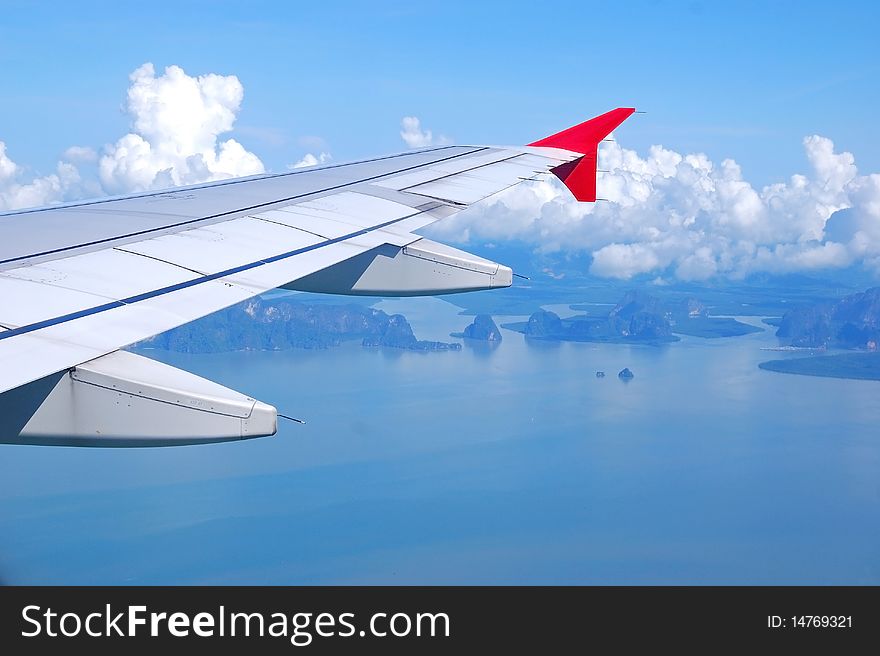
x=176, y=122
x=683, y=215
x=18, y=191
x=311, y=160
x=415, y=137
x=669, y=214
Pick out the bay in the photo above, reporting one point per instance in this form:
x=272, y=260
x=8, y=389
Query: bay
x=511, y=464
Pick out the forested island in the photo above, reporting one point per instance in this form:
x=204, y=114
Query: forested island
x=851, y=323
x=284, y=322
x=483, y=329
x=276, y=324
x=638, y=317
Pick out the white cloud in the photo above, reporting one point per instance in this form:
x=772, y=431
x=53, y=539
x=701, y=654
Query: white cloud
x=625, y=260
x=415, y=137
x=684, y=215
x=176, y=123
x=311, y=160
x=176, y=120
x=8, y=168
x=41, y=190
x=668, y=214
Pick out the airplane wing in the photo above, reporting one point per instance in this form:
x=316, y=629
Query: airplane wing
x=79, y=282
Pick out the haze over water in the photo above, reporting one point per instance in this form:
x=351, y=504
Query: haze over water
x=511, y=464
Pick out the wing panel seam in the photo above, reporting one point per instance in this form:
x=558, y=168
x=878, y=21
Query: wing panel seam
x=449, y=175
x=278, y=223
x=159, y=259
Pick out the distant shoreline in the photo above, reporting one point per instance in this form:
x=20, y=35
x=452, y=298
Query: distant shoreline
x=522, y=326
x=850, y=366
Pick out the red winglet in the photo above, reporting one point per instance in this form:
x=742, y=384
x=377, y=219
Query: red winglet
x=580, y=175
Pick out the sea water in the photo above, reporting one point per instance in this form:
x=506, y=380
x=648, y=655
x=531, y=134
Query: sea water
x=509, y=463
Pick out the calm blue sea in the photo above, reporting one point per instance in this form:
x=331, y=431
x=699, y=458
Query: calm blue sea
x=506, y=465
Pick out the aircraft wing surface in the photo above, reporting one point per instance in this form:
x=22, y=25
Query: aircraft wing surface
x=79, y=282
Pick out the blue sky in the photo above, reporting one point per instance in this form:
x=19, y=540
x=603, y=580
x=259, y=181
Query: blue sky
x=742, y=80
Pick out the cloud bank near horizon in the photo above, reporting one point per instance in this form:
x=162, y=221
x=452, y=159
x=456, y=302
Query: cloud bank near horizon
x=16, y=192
x=684, y=216
x=668, y=214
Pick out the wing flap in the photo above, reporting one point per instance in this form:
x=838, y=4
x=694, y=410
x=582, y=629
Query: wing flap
x=225, y=245
x=111, y=273
x=353, y=208
x=19, y=309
